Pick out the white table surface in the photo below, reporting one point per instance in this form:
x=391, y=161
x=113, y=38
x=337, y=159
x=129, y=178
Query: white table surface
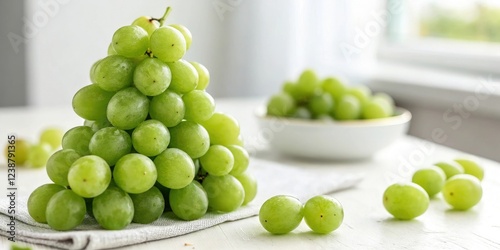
x=366, y=224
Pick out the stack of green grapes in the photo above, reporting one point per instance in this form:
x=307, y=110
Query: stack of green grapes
x=326, y=99
x=151, y=141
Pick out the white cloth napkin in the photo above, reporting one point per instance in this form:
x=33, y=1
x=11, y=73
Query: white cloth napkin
x=273, y=179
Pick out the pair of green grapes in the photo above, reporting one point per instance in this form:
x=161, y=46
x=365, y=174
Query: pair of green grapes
x=459, y=181
x=327, y=99
x=282, y=213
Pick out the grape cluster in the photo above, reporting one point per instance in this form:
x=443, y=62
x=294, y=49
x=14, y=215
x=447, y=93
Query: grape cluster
x=151, y=141
x=327, y=99
x=282, y=213
x=459, y=181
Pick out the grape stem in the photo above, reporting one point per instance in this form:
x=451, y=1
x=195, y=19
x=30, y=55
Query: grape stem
x=164, y=17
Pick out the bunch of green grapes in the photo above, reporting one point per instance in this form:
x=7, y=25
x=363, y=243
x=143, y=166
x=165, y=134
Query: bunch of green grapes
x=282, y=213
x=151, y=141
x=327, y=99
x=458, y=181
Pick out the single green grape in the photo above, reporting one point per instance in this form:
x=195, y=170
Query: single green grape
x=281, y=214
x=225, y=193
x=113, y=209
x=334, y=87
x=22, y=149
x=78, y=139
x=241, y=159
x=89, y=176
x=450, y=168
x=65, y=210
x=462, y=191
x=111, y=51
x=203, y=75
x=281, y=105
x=218, y=160
x=39, y=154
x=52, y=136
x=150, y=137
x=110, y=144
x=185, y=32
x=127, y=108
x=222, y=128
x=175, y=169
x=471, y=167
x=288, y=87
x=147, y=23
x=130, y=41
x=148, y=206
x=90, y=102
x=58, y=165
x=98, y=125
x=134, y=173
x=320, y=104
x=92, y=74
x=200, y=106
x=37, y=202
x=405, y=201
x=307, y=85
x=323, y=214
x=377, y=107
x=114, y=72
x=190, y=137
x=361, y=92
x=385, y=96
x=168, y=44
x=189, y=202
x=152, y=76
x=431, y=179
x=249, y=183
x=348, y=108
x=167, y=108
x=184, y=76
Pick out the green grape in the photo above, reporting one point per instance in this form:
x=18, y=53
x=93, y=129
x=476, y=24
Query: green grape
x=281, y=214
x=203, y=76
x=148, y=206
x=110, y=144
x=22, y=149
x=241, y=159
x=190, y=137
x=249, y=184
x=321, y=104
x=37, y=202
x=58, y=165
x=361, y=92
x=281, y=105
x=100, y=124
x=114, y=72
x=52, y=136
x=89, y=176
x=39, y=154
x=225, y=193
x=152, y=76
x=189, y=202
x=92, y=70
x=167, y=108
x=78, y=139
x=348, y=108
x=113, y=209
x=375, y=108
x=147, y=23
x=302, y=113
x=222, y=128
x=405, y=201
x=135, y=173
x=323, y=214
x=307, y=85
x=168, y=44
x=65, y=210
x=130, y=41
x=185, y=32
x=175, y=168
x=334, y=87
x=184, y=76
x=150, y=137
x=15, y=246
x=431, y=179
x=111, y=51
x=462, y=191
x=127, y=108
x=200, y=106
x=288, y=87
x=218, y=160
x=472, y=168
x=450, y=168
x=90, y=102
x=386, y=97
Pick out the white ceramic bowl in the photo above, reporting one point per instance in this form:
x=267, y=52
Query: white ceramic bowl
x=332, y=140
